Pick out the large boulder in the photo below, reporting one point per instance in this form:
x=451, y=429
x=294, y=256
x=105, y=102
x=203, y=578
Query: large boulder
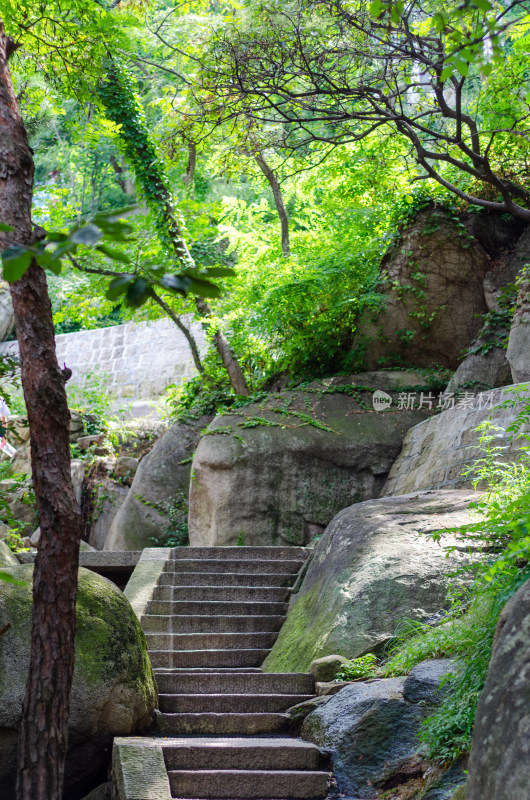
x=107, y=499
x=432, y=298
x=161, y=479
x=375, y=565
x=114, y=692
x=371, y=729
x=519, y=340
x=479, y=371
x=7, y=315
x=499, y=765
x=277, y=472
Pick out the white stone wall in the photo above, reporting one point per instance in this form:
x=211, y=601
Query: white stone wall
x=436, y=451
x=140, y=359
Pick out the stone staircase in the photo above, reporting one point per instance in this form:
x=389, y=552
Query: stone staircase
x=213, y=618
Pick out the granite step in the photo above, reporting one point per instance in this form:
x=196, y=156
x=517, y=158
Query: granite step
x=229, y=703
x=210, y=608
x=242, y=753
x=290, y=567
x=248, y=784
x=241, y=553
x=221, y=724
x=249, y=640
x=226, y=579
x=208, y=658
x=235, y=682
x=235, y=594
x=220, y=623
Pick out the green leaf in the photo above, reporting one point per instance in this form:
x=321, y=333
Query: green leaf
x=46, y=260
x=105, y=218
x=5, y=576
x=118, y=286
x=176, y=283
x=138, y=292
x=56, y=236
x=16, y=260
x=446, y=72
x=376, y=8
x=483, y=5
x=220, y=272
x=6, y=228
x=112, y=253
x=409, y=199
x=204, y=288
x=87, y=235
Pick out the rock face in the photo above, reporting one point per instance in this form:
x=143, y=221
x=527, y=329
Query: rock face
x=7, y=316
x=277, y=472
x=326, y=668
x=371, y=568
x=113, y=694
x=110, y=497
x=372, y=732
x=482, y=371
x=499, y=766
x=436, y=311
x=161, y=477
x=519, y=341
x=436, y=451
x=7, y=557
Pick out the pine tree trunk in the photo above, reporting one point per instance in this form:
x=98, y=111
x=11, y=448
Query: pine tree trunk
x=44, y=728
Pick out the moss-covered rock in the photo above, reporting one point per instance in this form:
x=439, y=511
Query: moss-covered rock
x=113, y=694
x=371, y=569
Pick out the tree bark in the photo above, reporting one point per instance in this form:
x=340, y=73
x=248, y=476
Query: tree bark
x=274, y=183
x=189, y=177
x=44, y=728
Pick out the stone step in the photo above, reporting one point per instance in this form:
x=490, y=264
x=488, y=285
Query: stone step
x=220, y=623
x=207, y=658
x=248, y=784
x=235, y=682
x=210, y=641
x=223, y=724
x=290, y=567
x=241, y=553
x=229, y=703
x=226, y=579
x=239, y=753
x=235, y=594
x=209, y=670
x=210, y=608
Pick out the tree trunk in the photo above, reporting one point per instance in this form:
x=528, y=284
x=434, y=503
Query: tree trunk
x=44, y=729
x=189, y=177
x=274, y=183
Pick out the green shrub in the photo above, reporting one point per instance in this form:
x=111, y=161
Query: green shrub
x=363, y=667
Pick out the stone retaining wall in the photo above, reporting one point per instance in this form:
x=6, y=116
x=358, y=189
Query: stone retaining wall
x=139, y=359
x=436, y=451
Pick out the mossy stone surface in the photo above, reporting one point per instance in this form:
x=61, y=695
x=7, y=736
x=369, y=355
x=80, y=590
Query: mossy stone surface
x=113, y=693
x=375, y=565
